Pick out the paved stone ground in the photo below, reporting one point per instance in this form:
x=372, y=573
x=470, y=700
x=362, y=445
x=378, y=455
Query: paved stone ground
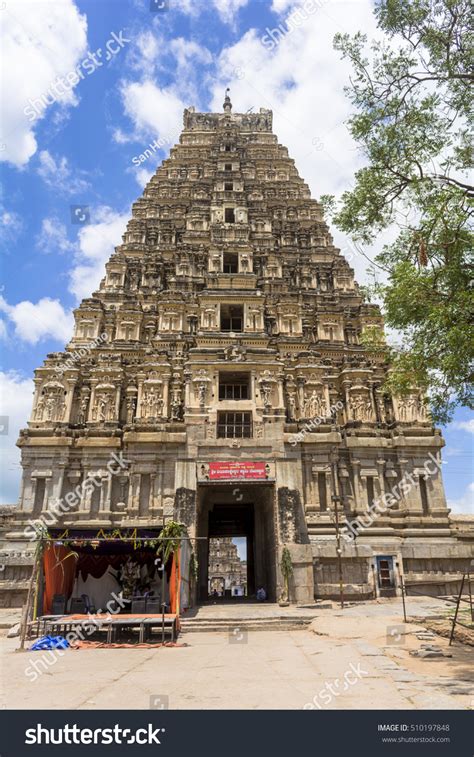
x=262, y=670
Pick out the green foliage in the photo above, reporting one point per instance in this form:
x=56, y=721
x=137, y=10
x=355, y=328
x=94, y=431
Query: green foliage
x=413, y=123
x=169, y=539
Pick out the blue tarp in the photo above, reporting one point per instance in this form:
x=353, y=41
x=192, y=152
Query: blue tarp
x=50, y=642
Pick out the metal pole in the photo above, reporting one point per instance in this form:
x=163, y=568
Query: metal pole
x=402, y=582
x=336, y=499
x=29, y=596
x=457, y=609
x=470, y=590
x=163, y=603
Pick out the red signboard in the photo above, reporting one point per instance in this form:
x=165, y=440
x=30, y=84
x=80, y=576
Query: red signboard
x=240, y=470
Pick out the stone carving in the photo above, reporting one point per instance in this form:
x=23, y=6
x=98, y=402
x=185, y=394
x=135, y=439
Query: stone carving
x=290, y=514
x=152, y=403
x=315, y=405
x=201, y=384
x=83, y=408
x=50, y=405
x=411, y=409
x=235, y=353
x=104, y=407
x=185, y=506
x=361, y=408
x=131, y=408
x=176, y=403
x=291, y=406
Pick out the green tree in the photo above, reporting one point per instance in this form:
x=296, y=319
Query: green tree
x=413, y=122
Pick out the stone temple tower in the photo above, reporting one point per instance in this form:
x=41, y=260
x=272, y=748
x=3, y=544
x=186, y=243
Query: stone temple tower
x=221, y=357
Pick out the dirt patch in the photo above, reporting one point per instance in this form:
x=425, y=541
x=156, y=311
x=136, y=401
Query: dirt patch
x=443, y=628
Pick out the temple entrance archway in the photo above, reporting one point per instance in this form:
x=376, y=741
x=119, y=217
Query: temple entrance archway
x=239, y=510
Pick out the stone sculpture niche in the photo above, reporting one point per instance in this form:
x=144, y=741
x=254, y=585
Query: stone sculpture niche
x=51, y=405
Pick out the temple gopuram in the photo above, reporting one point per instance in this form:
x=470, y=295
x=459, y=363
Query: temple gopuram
x=218, y=378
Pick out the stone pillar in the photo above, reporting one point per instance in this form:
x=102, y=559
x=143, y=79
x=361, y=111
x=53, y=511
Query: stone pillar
x=166, y=384
x=106, y=495
x=358, y=489
x=134, y=493
x=281, y=401
x=301, y=382
x=71, y=383
x=379, y=481
x=140, y=380
x=94, y=383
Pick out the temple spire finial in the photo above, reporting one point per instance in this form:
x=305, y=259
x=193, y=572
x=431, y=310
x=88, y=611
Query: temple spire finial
x=227, y=102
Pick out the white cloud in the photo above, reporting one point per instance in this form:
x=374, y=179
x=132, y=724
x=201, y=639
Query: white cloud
x=464, y=426
x=465, y=504
x=46, y=319
x=53, y=237
x=10, y=225
x=153, y=110
x=142, y=176
x=227, y=9
x=96, y=243
x=57, y=174
x=40, y=42
x=282, y=5
x=16, y=398
x=157, y=111
x=188, y=54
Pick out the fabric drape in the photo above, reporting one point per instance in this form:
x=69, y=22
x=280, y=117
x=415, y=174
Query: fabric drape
x=59, y=571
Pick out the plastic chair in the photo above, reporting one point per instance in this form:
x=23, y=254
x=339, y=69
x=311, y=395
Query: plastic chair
x=89, y=607
x=58, y=605
x=138, y=606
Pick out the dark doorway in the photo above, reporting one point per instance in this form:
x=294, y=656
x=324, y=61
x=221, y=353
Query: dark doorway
x=239, y=510
x=386, y=577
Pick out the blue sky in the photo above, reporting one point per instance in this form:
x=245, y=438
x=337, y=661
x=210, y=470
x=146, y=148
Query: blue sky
x=80, y=145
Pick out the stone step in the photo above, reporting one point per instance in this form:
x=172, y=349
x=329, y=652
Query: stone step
x=233, y=628
x=226, y=625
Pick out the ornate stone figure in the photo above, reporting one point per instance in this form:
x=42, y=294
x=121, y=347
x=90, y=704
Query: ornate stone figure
x=152, y=403
x=50, y=405
x=83, y=410
x=131, y=407
x=103, y=408
x=266, y=394
x=176, y=403
x=291, y=405
x=235, y=353
x=39, y=409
